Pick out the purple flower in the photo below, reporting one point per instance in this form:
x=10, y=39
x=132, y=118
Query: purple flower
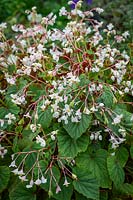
x=76, y=1
x=89, y=2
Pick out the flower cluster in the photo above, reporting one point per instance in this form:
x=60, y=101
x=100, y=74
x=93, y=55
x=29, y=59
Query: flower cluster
x=24, y=176
x=3, y=151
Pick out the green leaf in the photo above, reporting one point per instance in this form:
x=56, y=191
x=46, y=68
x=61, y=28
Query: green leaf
x=15, y=146
x=3, y=112
x=20, y=192
x=127, y=189
x=4, y=177
x=23, y=143
x=126, y=120
x=75, y=130
x=96, y=163
x=86, y=184
x=45, y=117
x=71, y=147
x=116, y=171
x=131, y=151
x=14, y=109
x=90, y=52
x=80, y=196
x=106, y=97
x=36, y=91
x=30, y=159
x=122, y=155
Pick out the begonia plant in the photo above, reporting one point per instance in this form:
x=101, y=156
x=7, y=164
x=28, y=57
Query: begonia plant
x=66, y=109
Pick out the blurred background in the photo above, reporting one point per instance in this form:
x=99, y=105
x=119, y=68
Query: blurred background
x=118, y=12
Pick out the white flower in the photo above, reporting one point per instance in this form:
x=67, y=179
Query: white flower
x=27, y=115
x=93, y=109
x=72, y=78
x=101, y=105
x=74, y=119
x=55, y=54
x=68, y=50
x=128, y=83
x=54, y=84
x=41, y=141
x=99, y=10
x=2, y=91
x=88, y=31
x=66, y=183
x=31, y=184
x=80, y=13
x=63, y=118
x=47, y=102
x=53, y=134
x=122, y=132
x=12, y=156
x=67, y=110
x=43, y=107
x=113, y=154
x=33, y=127
x=52, y=137
x=57, y=98
x=1, y=122
x=78, y=113
x=58, y=189
x=38, y=182
x=95, y=69
x=110, y=26
x=56, y=114
x=55, y=107
x=21, y=172
x=10, y=117
x=43, y=179
x=126, y=90
x=92, y=136
x=100, y=137
x=3, y=25
x=63, y=11
x=23, y=43
x=15, y=28
x=3, y=151
x=15, y=171
x=12, y=164
x=111, y=59
x=11, y=80
x=125, y=34
x=18, y=100
x=117, y=119
x=86, y=111
x=23, y=178
x=116, y=141
x=40, y=47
